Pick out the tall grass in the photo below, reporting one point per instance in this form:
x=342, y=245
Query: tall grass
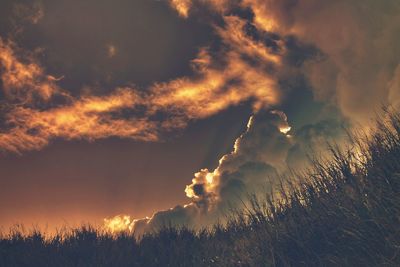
x=344, y=212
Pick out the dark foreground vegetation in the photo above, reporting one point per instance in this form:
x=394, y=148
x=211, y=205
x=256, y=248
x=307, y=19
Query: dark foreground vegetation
x=344, y=213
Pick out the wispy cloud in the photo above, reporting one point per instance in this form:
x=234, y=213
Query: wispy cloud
x=23, y=82
x=88, y=117
x=218, y=82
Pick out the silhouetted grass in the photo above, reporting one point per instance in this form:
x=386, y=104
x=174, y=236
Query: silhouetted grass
x=345, y=212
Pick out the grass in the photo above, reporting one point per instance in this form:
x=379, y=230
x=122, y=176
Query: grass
x=344, y=212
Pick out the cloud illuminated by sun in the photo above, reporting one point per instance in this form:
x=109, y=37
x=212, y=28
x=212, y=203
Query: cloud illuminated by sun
x=118, y=224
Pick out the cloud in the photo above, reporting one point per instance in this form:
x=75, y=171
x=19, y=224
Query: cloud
x=31, y=13
x=182, y=6
x=179, y=216
x=38, y=110
x=264, y=144
x=311, y=140
x=24, y=14
x=111, y=50
x=260, y=151
x=358, y=41
x=23, y=82
x=215, y=88
x=118, y=223
x=361, y=53
x=259, y=155
x=88, y=117
x=42, y=111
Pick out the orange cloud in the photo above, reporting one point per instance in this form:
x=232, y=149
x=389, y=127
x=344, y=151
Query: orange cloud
x=265, y=11
x=117, y=224
x=23, y=81
x=214, y=87
x=87, y=118
x=216, y=90
x=234, y=36
x=182, y=6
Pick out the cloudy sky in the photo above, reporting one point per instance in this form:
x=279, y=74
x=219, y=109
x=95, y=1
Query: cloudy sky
x=172, y=109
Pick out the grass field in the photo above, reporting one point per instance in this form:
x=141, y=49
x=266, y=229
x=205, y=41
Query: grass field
x=344, y=212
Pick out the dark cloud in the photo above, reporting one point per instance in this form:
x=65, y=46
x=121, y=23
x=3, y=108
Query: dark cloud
x=312, y=140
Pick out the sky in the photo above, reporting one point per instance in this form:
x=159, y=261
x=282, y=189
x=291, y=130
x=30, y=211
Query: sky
x=174, y=110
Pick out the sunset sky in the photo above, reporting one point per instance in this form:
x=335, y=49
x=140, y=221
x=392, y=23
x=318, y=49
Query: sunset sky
x=172, y=109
